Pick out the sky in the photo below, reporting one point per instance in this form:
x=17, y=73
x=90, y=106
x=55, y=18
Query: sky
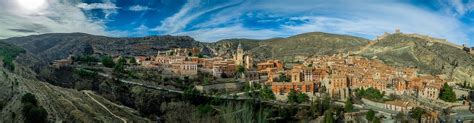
x=213, y=20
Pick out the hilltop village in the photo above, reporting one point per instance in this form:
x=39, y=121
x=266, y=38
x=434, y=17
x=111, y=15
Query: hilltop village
x=346, y=78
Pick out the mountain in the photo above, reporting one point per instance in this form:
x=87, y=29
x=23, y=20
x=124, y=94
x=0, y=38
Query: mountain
x=61, y=104
x=430, y=55
x=302, y=46
x=60, y=45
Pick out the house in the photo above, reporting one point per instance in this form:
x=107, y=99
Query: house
x=399, y=105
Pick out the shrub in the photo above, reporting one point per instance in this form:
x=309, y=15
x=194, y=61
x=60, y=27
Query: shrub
x=32, y=112
x=108, y=61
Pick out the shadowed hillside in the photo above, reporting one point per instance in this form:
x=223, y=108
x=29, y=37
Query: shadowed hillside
x=61, y=104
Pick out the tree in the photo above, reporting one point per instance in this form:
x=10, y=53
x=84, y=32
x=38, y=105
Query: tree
x=108, y=61
x=302, y=97
x=29, y=98
x=283, y=78
x=32, y=112
x=240, y=69
x=200, y=55
x=416, y=113
x=370, y=115
x=292, y=96
x=132, y=61
x=376, y=120
x=297, y=97
x=328, y=117
x=267, y=93
x=348, y=106
x=447, y=94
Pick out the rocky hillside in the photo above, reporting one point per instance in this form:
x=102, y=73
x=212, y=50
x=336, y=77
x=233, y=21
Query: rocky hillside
x=294, y=48
x=432, y=56
x=61, y=104
x=59, y=45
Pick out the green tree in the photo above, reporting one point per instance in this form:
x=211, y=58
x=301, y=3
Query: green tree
x=292, y=96
x=29, y=98
x=240, y=69
x=283, y=78
x=108, y=61
x=132, y=61
x=32, y=112
x=447, y=93
x=370, y=115
x=267, y=93
x=328, y=117
x=302, y=97
x=376, y=120
x=297, y=97
x=416, y=113
x=348, y=106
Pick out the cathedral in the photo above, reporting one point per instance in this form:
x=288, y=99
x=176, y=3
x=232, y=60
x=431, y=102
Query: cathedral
x=243, y=58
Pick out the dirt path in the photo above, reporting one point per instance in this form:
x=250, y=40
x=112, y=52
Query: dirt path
x=103, y=106
x=365, y=47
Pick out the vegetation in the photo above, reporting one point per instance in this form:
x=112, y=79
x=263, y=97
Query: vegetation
x=447, y=93
x=107, y=61
x=32, y=112
x=328, y=117
x=85, y=73
x=240, y=69
x=8, y=54
x=370, y=93
x=416, y=113
x=267, y=94
x=283, y=78
x=348, y=106
x=297, y=97
x=376, y=120
x=120, y=65
x=86, y=58
x=370, y=115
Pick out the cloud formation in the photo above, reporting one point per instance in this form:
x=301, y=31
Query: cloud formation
x=138, y=8
x=58, y=17
x=284, y=18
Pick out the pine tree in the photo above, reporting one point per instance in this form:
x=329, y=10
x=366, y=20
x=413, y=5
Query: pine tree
x=447, y=94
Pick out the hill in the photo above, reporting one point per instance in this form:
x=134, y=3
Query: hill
x=432, y=56
x=303, y=46
x=61, y=104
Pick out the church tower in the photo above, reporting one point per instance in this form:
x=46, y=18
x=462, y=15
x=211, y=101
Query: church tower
x=239, y=56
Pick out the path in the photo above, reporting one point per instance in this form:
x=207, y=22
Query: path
x=365, y=47
x=103, y=106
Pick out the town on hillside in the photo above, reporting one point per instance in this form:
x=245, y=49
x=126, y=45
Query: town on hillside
x=365, y=87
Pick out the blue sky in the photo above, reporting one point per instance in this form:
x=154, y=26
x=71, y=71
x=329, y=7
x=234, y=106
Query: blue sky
x=213, y=20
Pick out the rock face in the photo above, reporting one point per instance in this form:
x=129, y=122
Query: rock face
x=61, y=104
x=59, y=45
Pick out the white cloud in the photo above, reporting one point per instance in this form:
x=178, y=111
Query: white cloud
x=190, y=11
x=234, y=31
x=360, y=18
x=107, y=7
x=93, y=6
x=138, y=8
x=58, y=17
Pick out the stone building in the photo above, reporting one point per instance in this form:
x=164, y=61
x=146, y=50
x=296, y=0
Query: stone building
x=399, y=105
x=243, y=58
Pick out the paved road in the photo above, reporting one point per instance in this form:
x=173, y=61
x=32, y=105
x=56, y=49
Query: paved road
x=103, y=106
